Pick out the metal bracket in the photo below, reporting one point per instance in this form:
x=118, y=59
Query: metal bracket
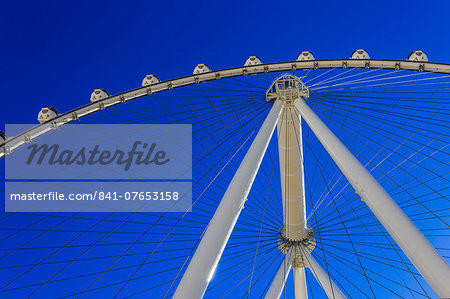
x=397, y=66
x=169, y=85
x=243, y=203
x=294, y=66
x=421, y=67
x=266, y=69
x=367, y=65
x=27, y=138
x=298, y=261
x=75, y=116
x=101, y=106
x=316, y=65
x=344, y=64
x=7, y=150
x=217, y=76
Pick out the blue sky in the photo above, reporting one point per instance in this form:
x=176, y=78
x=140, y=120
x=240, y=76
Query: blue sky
x=54, y=53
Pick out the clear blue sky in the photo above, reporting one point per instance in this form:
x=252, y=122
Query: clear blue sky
x=56, y=52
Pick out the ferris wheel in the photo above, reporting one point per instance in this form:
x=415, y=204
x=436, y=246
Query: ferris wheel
x=311, y=178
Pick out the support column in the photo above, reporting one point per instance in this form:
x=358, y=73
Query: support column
x=204, y=262
x=291, y=172
x=413, y=243
x=300, y=289
x=332, y=291
x=276, y=288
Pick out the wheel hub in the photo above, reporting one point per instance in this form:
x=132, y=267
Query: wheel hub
x=287, y=88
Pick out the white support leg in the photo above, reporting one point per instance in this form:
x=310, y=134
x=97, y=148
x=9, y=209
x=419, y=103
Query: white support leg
x=332, y=291
x=300, y=289
x=413, y=243
x=204, y=262
x=276, y=288
x=292, y=173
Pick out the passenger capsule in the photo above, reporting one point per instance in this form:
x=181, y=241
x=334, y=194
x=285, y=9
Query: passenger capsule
x=99, y=94
x=2, y=137
x=46, y=114
x=360, y=54
x=252, y=60
x=201, y=68
x=418, y=55
x=150, y=79
x=305, y=55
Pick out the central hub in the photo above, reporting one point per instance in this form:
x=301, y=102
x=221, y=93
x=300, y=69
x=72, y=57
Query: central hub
x=308, y=243
x=287, y=88
x=285, y=243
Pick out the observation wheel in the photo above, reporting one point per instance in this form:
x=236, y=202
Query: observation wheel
x=311, y=179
